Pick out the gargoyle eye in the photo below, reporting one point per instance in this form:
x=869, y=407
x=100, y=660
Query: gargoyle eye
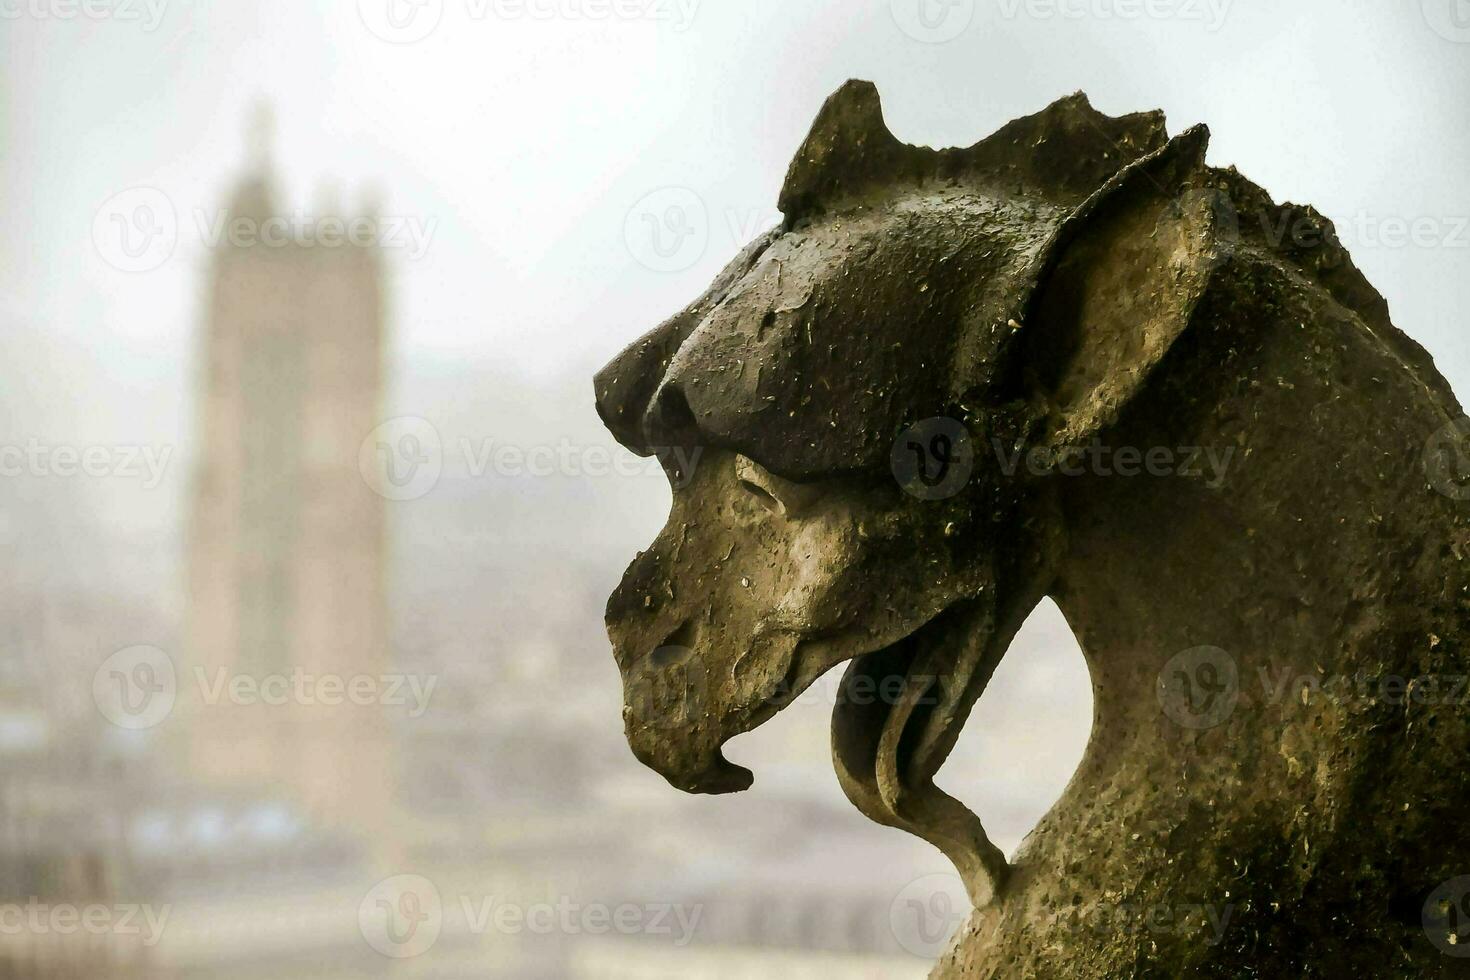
x=759, y=484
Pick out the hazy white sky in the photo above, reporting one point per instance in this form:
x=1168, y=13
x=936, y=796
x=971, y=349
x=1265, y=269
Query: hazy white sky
x=522, y=139
x=522, y=133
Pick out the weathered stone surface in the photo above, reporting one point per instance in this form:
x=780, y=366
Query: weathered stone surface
x=913, y=411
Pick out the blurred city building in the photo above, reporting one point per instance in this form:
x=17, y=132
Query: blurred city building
x=69, y=791
x=286, y=560
x=254, y=832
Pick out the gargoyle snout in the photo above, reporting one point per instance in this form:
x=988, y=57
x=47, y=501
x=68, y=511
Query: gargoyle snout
x=669, y=722
x=667, y=688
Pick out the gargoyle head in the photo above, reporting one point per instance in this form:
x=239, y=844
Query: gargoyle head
x=841, y=390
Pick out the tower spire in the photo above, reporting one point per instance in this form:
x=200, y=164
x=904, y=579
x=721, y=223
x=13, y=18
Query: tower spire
x=260, y=137
x=253, y=195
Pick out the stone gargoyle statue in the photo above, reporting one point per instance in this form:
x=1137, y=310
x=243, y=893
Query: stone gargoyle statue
x=892, y=415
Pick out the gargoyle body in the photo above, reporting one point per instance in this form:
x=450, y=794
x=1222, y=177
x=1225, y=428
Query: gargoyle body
x=1074, y=361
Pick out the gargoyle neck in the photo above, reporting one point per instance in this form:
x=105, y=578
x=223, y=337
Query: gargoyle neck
x=1286, y=518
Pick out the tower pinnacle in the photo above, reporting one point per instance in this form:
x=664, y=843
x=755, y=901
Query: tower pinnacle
x=260, y=136
x=253, y=196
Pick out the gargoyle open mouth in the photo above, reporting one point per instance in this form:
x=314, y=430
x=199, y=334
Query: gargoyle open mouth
x=899, y=713
x=880, y=689
x=670, y=731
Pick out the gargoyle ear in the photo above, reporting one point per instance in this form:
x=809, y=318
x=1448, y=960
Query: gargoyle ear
x=1120, y=283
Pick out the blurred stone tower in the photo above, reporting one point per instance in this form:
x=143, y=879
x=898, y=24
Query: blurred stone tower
x=286, y=547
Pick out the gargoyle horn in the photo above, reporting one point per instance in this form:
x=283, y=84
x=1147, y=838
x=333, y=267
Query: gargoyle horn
x=1061, y=154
